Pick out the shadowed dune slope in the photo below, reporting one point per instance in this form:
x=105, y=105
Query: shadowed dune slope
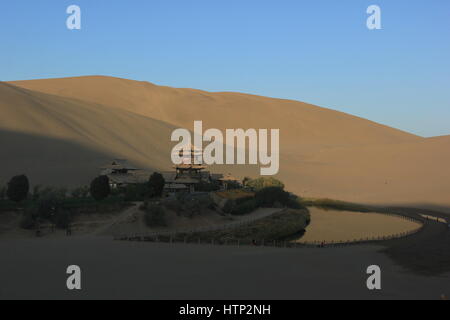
x=323, y=152
x=48, y=161
x=87, y=126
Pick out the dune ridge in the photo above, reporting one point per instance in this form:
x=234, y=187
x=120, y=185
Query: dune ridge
x=324, y=153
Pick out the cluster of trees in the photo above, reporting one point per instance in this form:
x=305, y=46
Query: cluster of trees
x=18, y=189
x=56, y=204
x=188, y=205
x=140, y=192
x=261, y=183
x=269, y=192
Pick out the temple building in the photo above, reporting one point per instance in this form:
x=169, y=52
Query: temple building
x=188, y=174
x=121, y=173
x=185, y=178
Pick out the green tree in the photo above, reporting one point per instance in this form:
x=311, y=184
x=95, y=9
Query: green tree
x=156, y=184
x=100, y=188
x=18, y=188
x=265, y=182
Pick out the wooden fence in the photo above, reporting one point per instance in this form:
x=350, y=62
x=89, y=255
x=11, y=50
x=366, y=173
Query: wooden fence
x=179, y=236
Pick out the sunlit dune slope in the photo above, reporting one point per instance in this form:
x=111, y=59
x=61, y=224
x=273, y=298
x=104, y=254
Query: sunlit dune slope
x=303, y=126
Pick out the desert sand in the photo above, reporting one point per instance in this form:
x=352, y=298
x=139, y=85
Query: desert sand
x=134, y=270
x=340, y=226
x=59, y=131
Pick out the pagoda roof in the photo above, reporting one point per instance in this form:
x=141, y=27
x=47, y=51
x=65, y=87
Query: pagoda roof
x=119, y=164
x=229, y=177
x=190, y=166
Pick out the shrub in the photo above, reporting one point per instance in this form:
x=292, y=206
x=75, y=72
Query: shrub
x=49, y=193
x=294, y=204
x=270, y=196
x=245, y=181
x=192, y=207
x=156, y=185
x=235, y=194
x=245, y=207
x=174, y=204
x=155, y=216
x=228, y=206
x=233, y=185
x=100, y=188
x=80, y=192
x=245, y=199
x=189, y=205
x=206, y=202
x=18, y=188
x=264, y=182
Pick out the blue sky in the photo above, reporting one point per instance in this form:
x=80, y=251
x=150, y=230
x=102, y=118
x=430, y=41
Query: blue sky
x=315, y=51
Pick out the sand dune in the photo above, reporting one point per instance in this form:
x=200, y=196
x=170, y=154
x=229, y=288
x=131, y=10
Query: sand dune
x=34, y=124
x=404, y=173
x=303, y=126
x=323, y=152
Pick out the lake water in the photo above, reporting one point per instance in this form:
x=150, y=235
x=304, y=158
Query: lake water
x=333, y=225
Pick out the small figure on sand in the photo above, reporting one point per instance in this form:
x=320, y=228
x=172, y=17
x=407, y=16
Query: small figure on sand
x=38, y=229
x=68, y=230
